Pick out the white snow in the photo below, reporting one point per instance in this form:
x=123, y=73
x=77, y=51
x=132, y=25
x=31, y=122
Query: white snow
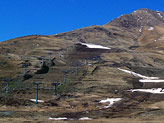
x=150, y=80
x=37, y=45
x=95, y=46
x=34, y=100
x=64, y=118
x=85, y=118
x=153, y=90
x=159, y=14
x=111, y=101
x=151, y=28
x=60, y=118
x=137, y=75
x=140, y=30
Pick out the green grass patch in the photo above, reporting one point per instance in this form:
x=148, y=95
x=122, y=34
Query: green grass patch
x=3, y=63
x=71, y=82
x=13, y=86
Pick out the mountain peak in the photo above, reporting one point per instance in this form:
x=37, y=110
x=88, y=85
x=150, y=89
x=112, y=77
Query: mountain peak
x=138, y=18
x=143, y=9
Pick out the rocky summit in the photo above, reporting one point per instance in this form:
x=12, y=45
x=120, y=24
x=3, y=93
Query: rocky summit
x=105, y=73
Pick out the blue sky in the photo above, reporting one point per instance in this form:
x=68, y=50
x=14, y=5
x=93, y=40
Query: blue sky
x=46, y=17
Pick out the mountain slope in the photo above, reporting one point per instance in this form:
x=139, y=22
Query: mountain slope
x=88, y=75
x=133, y=29
x=136, y=33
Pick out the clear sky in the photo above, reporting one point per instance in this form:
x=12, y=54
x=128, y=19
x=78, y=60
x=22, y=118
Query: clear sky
x=45, y=17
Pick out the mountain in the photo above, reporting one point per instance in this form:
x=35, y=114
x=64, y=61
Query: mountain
x=135, y=39
x=123, y=32
x=132, y=42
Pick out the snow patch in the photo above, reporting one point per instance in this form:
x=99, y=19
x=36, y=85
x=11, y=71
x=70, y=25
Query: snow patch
x=85, y=118
x=153, y=90
x=111, y=101
x=140, y=30
x=37, y=45
x=64, y=118
x=60, y=118
x=151, y=28
x=150, y=80
x=34, y=100
x=95, y=46
x=159, y=14
x=137, y=75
